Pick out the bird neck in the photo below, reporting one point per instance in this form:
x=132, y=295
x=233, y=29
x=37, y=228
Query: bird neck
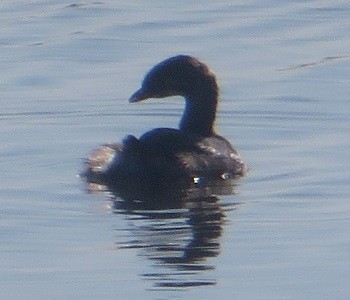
x=200, y=111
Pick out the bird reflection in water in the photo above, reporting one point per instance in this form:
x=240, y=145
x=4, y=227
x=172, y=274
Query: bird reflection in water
x=175, y=226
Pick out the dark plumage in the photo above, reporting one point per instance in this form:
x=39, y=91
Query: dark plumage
x=191, y=152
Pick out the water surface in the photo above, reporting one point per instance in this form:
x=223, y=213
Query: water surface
x=66, y=71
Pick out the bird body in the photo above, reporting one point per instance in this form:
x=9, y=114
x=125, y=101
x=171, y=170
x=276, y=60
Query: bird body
x=193, y=151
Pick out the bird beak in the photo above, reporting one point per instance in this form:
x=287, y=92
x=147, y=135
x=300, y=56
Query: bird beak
x=139, y=95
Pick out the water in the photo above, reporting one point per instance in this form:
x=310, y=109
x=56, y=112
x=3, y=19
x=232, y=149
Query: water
x=66, y=71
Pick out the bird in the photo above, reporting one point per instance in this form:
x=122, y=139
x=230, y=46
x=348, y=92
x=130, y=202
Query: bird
x=192, y=153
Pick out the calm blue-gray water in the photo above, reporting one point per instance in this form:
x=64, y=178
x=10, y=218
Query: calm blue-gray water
x=66, y=71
